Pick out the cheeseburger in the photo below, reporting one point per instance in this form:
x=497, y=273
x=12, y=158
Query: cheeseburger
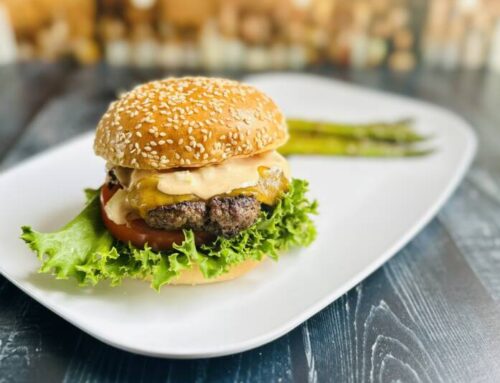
x=195, y=191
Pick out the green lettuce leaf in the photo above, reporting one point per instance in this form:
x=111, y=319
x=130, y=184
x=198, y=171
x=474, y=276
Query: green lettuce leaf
x=83, y=249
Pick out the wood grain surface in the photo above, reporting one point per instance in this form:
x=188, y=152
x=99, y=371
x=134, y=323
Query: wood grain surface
x=430, y=314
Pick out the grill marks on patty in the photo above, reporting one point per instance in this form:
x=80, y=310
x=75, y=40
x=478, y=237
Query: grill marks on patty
x=225, y=216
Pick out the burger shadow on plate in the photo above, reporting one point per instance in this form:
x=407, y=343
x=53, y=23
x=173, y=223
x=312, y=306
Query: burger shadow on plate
x=136, y=292
x=182, y=301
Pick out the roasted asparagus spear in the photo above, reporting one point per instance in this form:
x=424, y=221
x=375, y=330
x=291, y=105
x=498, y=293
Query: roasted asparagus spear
x=398, y=131
x=341, y=146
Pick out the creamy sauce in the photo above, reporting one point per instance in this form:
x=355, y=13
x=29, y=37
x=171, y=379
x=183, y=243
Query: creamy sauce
x=209, y=181
x=118, y=208
x=204, y=182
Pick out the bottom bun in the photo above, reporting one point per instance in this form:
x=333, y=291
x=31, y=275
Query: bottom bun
x=194, y=276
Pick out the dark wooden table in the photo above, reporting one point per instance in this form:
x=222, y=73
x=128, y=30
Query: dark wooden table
x=431, y=314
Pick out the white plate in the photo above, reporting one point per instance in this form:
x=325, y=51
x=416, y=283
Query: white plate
x=369, y=209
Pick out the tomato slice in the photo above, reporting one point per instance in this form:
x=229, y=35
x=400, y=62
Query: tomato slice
x=138, y=233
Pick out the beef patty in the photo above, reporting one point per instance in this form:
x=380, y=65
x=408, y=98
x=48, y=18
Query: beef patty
x=225, y=216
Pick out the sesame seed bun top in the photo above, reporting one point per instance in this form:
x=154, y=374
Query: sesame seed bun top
x=188, y=122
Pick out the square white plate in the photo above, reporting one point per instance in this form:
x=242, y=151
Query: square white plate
x=368, y=210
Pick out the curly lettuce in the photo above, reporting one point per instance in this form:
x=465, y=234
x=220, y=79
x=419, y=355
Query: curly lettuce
x=83, y=249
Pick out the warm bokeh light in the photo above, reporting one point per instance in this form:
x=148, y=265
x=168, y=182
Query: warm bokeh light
x=255, y=34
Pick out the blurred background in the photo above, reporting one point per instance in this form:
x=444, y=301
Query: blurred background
x=255, y=35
